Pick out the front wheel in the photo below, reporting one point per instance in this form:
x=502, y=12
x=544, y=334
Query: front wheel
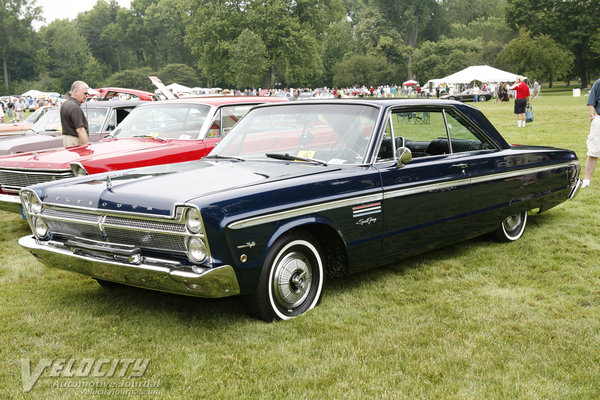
x=512, y=227
x=291, y=281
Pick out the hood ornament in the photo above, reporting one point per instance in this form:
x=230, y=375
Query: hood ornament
x=109, y=183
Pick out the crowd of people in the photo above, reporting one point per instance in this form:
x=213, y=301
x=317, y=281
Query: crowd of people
x=13, y=108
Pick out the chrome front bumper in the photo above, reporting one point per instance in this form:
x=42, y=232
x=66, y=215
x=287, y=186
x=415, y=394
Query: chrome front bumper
x=10, y=203
x=162, y=275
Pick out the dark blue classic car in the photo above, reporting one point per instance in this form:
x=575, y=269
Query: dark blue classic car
x=295, y=193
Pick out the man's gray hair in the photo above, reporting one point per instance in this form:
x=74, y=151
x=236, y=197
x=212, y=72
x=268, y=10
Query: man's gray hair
x=78, y=85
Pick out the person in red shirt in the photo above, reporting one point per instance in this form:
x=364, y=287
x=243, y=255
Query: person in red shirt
x=521, y=100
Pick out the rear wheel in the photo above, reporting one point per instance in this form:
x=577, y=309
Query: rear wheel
x=512, y=227
x=291, y=281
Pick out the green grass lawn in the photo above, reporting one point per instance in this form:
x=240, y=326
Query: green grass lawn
x=478, y=320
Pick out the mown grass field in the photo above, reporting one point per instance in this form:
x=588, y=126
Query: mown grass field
x=478, y=320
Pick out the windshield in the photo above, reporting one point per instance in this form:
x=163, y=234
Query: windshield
x=49, y=122
x=167, y=121
x=36, y=115
x=331, y=133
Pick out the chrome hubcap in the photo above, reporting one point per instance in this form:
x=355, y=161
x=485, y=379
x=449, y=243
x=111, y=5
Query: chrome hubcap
x=292, y=280
x=512, y=222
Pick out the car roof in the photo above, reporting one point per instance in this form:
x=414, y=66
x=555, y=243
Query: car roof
x=218, y=100
x=112, y=103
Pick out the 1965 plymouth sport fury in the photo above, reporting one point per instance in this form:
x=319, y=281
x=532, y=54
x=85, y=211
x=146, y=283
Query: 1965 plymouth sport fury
x=297, y=192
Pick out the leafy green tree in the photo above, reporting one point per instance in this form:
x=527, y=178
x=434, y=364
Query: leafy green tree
x=409, y=18
x=437, y=59
x=93, y=24
x=465, y=11
x=292, y=33
x=251, y=63
x=569, y=23
x=362, y=70
x=180, y=73
x=16, y=17
x=537, y=57
x=132, y=78
x=337, y=43
x=66, y=51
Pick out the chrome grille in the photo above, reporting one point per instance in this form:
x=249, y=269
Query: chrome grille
x=148, y=240
x=143, y=224
x=141, y=233
x=13, y=180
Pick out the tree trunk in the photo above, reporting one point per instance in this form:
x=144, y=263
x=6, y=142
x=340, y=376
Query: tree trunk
x=5, y=67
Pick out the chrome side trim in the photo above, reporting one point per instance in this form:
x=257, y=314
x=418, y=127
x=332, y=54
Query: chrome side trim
x=254, y=221
x=304, y=210
x=512, y=174
x=155, y=274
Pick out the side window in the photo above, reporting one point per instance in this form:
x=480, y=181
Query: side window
x=463, y=136
x=423, y=131
x=232, y=114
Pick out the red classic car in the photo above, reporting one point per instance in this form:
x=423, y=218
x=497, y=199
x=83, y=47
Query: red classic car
x=111, y=93
x=154, y=133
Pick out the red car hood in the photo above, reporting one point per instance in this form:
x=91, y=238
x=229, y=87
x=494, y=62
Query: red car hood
x=111, y=154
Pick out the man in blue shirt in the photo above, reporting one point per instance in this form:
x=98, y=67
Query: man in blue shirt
x=593, y=140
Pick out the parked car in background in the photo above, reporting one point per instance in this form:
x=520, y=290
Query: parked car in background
x=154, y=133
x=102, y=118
x=19, y=128
x=115, y=93
x=468, y=95
x=296, y=192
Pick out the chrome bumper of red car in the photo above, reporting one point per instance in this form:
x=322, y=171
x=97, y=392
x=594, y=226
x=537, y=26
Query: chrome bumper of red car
x=10, y=203
x=155, y=274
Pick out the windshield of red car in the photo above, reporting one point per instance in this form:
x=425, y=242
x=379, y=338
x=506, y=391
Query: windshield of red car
x=332, y=133
x=166, y=121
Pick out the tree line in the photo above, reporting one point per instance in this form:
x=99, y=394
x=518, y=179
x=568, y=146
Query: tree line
x=295, y=43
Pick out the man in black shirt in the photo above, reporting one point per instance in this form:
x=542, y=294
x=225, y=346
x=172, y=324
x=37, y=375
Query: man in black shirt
x=73, y=121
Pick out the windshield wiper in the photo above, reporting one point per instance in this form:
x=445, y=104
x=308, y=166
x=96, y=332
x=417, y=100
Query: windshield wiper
x=289, y=157
x=220, y=157
x=150, y=136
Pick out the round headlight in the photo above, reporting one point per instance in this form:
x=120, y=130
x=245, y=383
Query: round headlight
x=197, y=251
x=35, y=206
x=41, y=229
x=193, y=220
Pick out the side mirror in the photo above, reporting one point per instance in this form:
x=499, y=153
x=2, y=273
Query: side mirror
x=404, y=156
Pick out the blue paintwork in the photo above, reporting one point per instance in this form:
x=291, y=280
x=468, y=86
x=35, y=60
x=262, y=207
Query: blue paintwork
x=229, y=191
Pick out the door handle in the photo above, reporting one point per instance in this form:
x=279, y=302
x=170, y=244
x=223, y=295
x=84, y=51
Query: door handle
x=462, y=167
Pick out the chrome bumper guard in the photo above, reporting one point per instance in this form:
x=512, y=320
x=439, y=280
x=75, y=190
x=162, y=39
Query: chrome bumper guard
x=10, y=203
x=130, y=268
x=575, y=188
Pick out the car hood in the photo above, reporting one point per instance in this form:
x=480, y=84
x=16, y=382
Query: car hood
x=15, y=126
x=158, y=189
x=60, y=159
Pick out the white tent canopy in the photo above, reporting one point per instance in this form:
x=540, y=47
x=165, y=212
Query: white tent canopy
x=33, y=93
x=177, y=88
x=482, y=73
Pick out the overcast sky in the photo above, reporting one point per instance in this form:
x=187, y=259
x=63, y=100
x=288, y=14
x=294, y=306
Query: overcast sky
x=58, y=9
